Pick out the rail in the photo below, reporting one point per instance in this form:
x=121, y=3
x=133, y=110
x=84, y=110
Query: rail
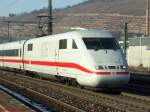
x=52, y=103
x=81, y=99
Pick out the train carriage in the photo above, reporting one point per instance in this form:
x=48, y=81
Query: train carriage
x=91, y=57
x=11, y=54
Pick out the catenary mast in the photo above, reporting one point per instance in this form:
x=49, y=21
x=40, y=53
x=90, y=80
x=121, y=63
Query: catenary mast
x=147, y=19
x=50, y=20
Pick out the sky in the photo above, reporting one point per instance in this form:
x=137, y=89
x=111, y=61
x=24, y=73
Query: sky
x=20, y=6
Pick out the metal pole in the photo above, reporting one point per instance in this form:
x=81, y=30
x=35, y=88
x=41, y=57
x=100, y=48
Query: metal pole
x=125, y=38
x=8, y=28
x=147, y=19
x=141, y=51
x=8, y=23
x=50, y=20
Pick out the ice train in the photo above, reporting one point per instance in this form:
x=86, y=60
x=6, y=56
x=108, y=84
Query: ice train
x=90, y=57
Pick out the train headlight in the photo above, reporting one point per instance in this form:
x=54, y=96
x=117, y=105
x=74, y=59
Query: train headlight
x=99, y=68
x=123, y=67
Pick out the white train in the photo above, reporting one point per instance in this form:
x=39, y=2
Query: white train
x=91, y=57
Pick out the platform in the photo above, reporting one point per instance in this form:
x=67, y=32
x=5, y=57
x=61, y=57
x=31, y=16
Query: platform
x=9, y=104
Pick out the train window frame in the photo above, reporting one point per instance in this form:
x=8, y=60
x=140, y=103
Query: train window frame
x=74, y=45
x=63, y=44
x=30, y=47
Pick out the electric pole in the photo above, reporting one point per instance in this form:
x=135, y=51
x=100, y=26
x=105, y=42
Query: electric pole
x=125, y=44
x=147, y=19
x=8, y=28
x=8, y=23
x=50, y=20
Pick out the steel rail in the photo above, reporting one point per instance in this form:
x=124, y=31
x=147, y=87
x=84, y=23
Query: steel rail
x=50, y=102
x=116, y=101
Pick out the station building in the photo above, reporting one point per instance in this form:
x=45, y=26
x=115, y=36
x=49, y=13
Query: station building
x=138, y=52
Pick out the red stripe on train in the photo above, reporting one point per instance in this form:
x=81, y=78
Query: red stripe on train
x=122, y=73
x=61, y=64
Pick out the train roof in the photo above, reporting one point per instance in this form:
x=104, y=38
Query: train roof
x=14, y=42
x=94, y=33
x=82, y=34
x=88, y=33
x=78, y=33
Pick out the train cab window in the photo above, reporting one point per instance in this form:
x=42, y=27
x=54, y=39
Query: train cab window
x=30, y=47
x=63, y=44
x=74, y=45
x=101, y=43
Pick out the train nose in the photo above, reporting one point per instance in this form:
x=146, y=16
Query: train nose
x=113, y=81
x=106, y=81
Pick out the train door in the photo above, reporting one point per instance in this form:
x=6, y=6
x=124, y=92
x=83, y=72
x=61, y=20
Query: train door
x=68, y=55
x=28, y=48
x=57, y=57
x=62, y=57
x=49, y=53
x=2, y=53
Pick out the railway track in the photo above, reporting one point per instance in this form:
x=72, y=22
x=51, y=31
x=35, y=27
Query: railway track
x=143, y=78
x=138, y=89
x=37, y=107
x=139, y=84
x=54, y=104
x=83, y=100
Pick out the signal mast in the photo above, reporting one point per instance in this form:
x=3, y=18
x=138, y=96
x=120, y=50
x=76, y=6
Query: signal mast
x=147, y=19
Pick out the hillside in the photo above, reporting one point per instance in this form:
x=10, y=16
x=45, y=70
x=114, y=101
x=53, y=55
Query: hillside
x=98, y=14
x=125, y=7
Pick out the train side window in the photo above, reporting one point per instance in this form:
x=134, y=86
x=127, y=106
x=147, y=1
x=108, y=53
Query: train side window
x=63, y=44
x=74, y=45
x=12, y=52
x=1, y=53
x=30, y=47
